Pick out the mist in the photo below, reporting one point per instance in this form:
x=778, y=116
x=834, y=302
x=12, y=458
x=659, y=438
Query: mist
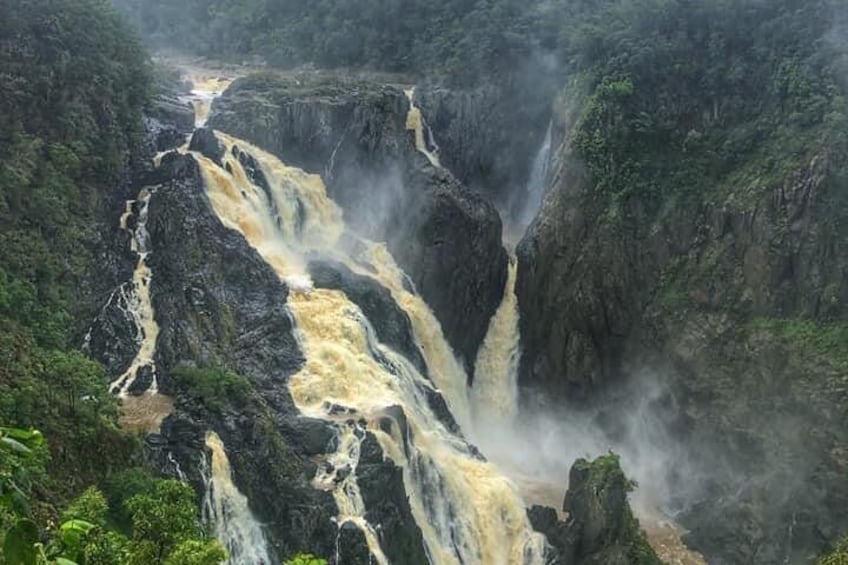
x=544, y=441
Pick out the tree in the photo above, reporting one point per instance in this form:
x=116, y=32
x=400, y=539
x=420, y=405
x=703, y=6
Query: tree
x=305, y=559
x=197, y=552
x=163, y=519
x=90, y=506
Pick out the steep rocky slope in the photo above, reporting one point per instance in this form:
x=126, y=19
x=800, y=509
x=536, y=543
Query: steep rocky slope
x=221, y=314
x=735, y=299
x=488, y=136
x=447, y=238
x=219, y=305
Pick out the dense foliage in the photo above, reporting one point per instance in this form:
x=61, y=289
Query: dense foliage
x=72, y=84
x=839, y=556
x=693, y=97
x=213, y=387
x=73, y=81
x=456, y=40
x=305, y=559
x=163, y=519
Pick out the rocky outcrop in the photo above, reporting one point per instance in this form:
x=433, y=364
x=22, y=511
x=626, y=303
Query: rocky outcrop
x=219, y=305
x=600, y=527
x=169, y=110
x=385, y=498
x=204, y=142
x=446, y=237
x=446, y=242
x=488, y=136
x=730, y=298
x=600, y=518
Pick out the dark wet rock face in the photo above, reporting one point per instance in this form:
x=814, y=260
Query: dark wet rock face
x=446, y=237
x=112, y=335
x=488, y=136
x=724, y=301
x=561, y=539
x=204, y=142
x=163, y=137
x=450, y=247
x=219, y=305
x=167, y=108
x=387, y=505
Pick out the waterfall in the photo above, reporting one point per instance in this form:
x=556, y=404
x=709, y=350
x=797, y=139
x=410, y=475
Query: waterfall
x=469, y=512
x=424, y=141
x=495, y=390
x=226, y=509
x=534, y=190
x=136, y=299
x=539, y=172
x=205, y=89
x=339, y=476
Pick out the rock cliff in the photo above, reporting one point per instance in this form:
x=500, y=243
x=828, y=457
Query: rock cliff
x=446, y=237
x=736, y=299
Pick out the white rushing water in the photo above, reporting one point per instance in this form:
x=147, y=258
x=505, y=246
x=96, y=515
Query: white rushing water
x=424, y=139
x=494, y=392
x=468, y=511
x=225, y=509
x=534, y=191
x=135, y=298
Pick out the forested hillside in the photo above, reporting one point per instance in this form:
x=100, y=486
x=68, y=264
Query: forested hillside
x=453, y=40
x=692, y=233
x=73, y=82
x=73, y=85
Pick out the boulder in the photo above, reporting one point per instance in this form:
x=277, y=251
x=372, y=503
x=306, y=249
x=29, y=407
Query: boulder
x=204, y=142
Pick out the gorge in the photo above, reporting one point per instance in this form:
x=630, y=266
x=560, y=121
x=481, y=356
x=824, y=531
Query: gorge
x=580, y=304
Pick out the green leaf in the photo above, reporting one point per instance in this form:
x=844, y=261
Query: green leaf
x=34, y=436
x=80, y=526
x=15, y=445
x=19, y=547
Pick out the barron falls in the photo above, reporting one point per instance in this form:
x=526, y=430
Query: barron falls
x=514, y=282
x=372, y=440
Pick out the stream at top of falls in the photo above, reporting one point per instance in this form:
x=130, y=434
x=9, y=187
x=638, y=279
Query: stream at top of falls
x=468, y=511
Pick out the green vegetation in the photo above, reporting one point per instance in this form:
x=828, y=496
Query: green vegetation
x=839, y=556
x=162, y=520
x=598, y=497
x=305, y=559
x=74, y=83
x=605, y=473
x=75, y=80
x=824, y=341
x=214, y=387
x=454, y=40
x=699, y=99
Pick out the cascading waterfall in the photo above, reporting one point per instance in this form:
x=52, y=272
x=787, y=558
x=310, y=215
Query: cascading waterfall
x=468, y=512
x=494, y=393
x=340, y=478
x=226, y=509
x=204, y=91
x=539, y=172
x=137, y=300
x=423, y=136
x=534, y=191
